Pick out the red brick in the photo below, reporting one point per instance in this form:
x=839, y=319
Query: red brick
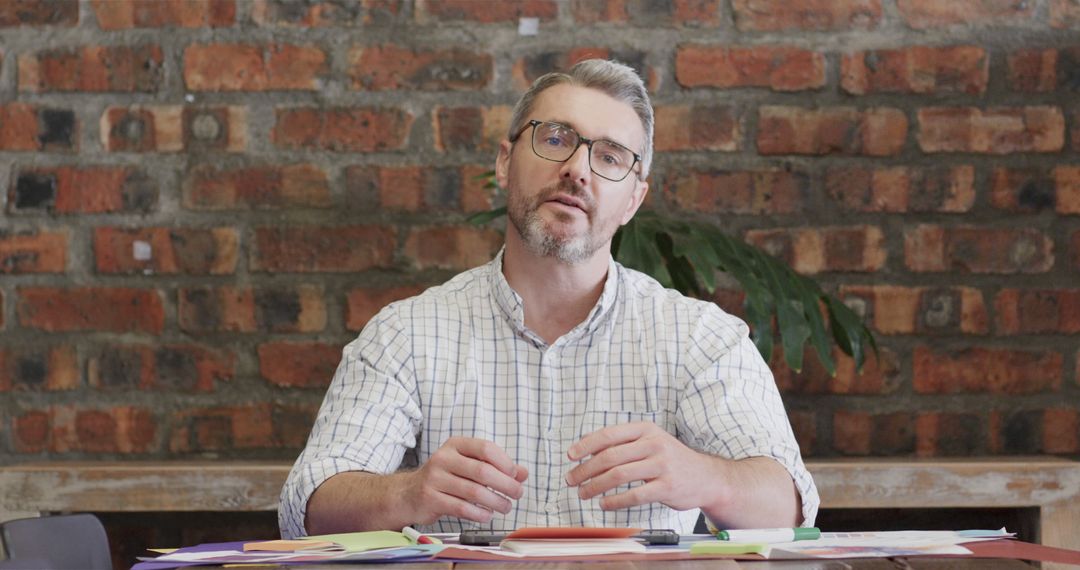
x=323, y=249
x=863, y=433
x=83, y=190
x=991, y=131
x=359, y=129
x=324, y=13
x=917, y=69
x=1076, y=250
x=856, y=248
x=759, y=192
x=686, y=127
x=171, y=367
x=298, y=309
x=126, y=14
x=1022, y=190
x=478, y=192
x=925, y=14
x=209, y=187
x=1074, y=132
x=65, y=429
x=892, y=309
x=851, y=432
x=26, y=127
x=942, y=434
x=1064, y=14
x=1061, y=431
x=1033, y=70
x=902, y=188
x=224, y=428
x=779, y=15
x=1027, y=311
x=1016, y=432
x=391, y=67
x=698, y=13
x=252, y=67
x=186, y=251
x=485, y=12
x=18, y=13
x=173, y=128
x=33, y=252
x=362, y=304
x=929, y=248
x=38, y=368
x=530, y=67
x=111, y=309
x=776, y=67
x=451, y=247
x=292, y=424
x=990, y=370
x=30, y=432
x=601, y=11
x=877, y=131
x=299, y=364
x=470, y=128
x=693, y=13
x=879, y=375
x=1067, y=184
x=93, y=69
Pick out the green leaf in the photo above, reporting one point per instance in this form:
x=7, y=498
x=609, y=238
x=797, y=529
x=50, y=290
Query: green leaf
x=481, y=218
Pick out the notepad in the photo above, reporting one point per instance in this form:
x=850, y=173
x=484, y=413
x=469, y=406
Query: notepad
x=293, y=546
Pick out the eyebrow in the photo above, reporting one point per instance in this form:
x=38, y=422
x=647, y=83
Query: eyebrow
x=573, y=126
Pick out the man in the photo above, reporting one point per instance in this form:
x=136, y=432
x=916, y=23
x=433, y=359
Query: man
x=552, y=386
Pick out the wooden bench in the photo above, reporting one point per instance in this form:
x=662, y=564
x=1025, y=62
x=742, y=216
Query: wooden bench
x=1050, y=485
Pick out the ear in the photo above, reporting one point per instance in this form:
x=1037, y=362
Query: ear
x=636, y=199
x=502, y=164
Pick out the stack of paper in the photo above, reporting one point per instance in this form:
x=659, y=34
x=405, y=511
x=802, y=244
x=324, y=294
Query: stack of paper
x=572, y=541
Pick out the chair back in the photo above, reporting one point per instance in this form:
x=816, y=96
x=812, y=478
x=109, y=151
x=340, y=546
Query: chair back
x=60, y=542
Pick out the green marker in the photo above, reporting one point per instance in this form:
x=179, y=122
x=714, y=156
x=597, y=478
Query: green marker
x=769, y=535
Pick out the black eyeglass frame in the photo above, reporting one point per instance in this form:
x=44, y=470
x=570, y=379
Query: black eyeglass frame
x=581, y=141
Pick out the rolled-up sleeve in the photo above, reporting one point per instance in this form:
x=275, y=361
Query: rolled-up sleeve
x=369, y=418
x=731, y=407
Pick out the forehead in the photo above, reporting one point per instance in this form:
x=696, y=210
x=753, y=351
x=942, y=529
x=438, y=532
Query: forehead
x=593, y=113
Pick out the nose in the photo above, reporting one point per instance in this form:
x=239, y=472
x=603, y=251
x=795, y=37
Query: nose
x=577, y=166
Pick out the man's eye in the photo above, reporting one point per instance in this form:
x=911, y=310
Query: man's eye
x=611, y=158
x=557, y=140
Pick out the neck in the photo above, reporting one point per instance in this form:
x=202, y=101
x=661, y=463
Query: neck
x=557, y=296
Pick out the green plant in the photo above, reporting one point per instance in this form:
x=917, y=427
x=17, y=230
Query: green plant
x=779, y=302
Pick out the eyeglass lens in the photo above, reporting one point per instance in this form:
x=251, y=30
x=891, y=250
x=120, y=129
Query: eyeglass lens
x=558, y=142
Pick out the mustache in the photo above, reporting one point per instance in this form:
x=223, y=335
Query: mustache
x=570, y=188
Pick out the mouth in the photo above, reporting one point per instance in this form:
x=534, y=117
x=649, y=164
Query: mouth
x=569, y=201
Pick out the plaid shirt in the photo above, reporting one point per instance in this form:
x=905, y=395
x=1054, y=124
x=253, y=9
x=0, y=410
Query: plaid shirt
x=458, y=360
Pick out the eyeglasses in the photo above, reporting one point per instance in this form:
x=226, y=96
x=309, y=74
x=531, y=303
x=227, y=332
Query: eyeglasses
x=557, y=142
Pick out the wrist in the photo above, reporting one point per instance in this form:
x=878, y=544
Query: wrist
x=721, y=493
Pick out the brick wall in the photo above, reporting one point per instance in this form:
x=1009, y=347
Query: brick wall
x=204, y=200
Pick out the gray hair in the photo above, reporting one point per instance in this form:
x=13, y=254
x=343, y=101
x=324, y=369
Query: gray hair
x=615, y=79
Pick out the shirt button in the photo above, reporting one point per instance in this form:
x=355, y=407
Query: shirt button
x=551, y=508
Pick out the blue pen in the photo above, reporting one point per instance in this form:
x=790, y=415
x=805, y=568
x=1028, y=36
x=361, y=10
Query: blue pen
x=769, y=535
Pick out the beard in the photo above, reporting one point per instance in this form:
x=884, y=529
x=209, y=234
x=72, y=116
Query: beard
x=545, y=241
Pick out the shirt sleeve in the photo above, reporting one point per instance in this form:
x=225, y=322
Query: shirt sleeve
x=731, y=406
x=368, y=419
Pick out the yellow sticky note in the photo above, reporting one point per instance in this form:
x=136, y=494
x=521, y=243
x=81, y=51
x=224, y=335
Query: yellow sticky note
x=360, y=541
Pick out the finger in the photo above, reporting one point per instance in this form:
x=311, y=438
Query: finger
x=460, y=508
x=602, y=439
x=474, y=493
x=486, y=451
x=521, y=473
x=485, y=474
x=641, y=495
x=606, y=459
x=619, y=475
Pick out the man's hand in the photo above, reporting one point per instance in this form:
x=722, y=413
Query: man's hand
x=674, y=474
x=466, y=478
